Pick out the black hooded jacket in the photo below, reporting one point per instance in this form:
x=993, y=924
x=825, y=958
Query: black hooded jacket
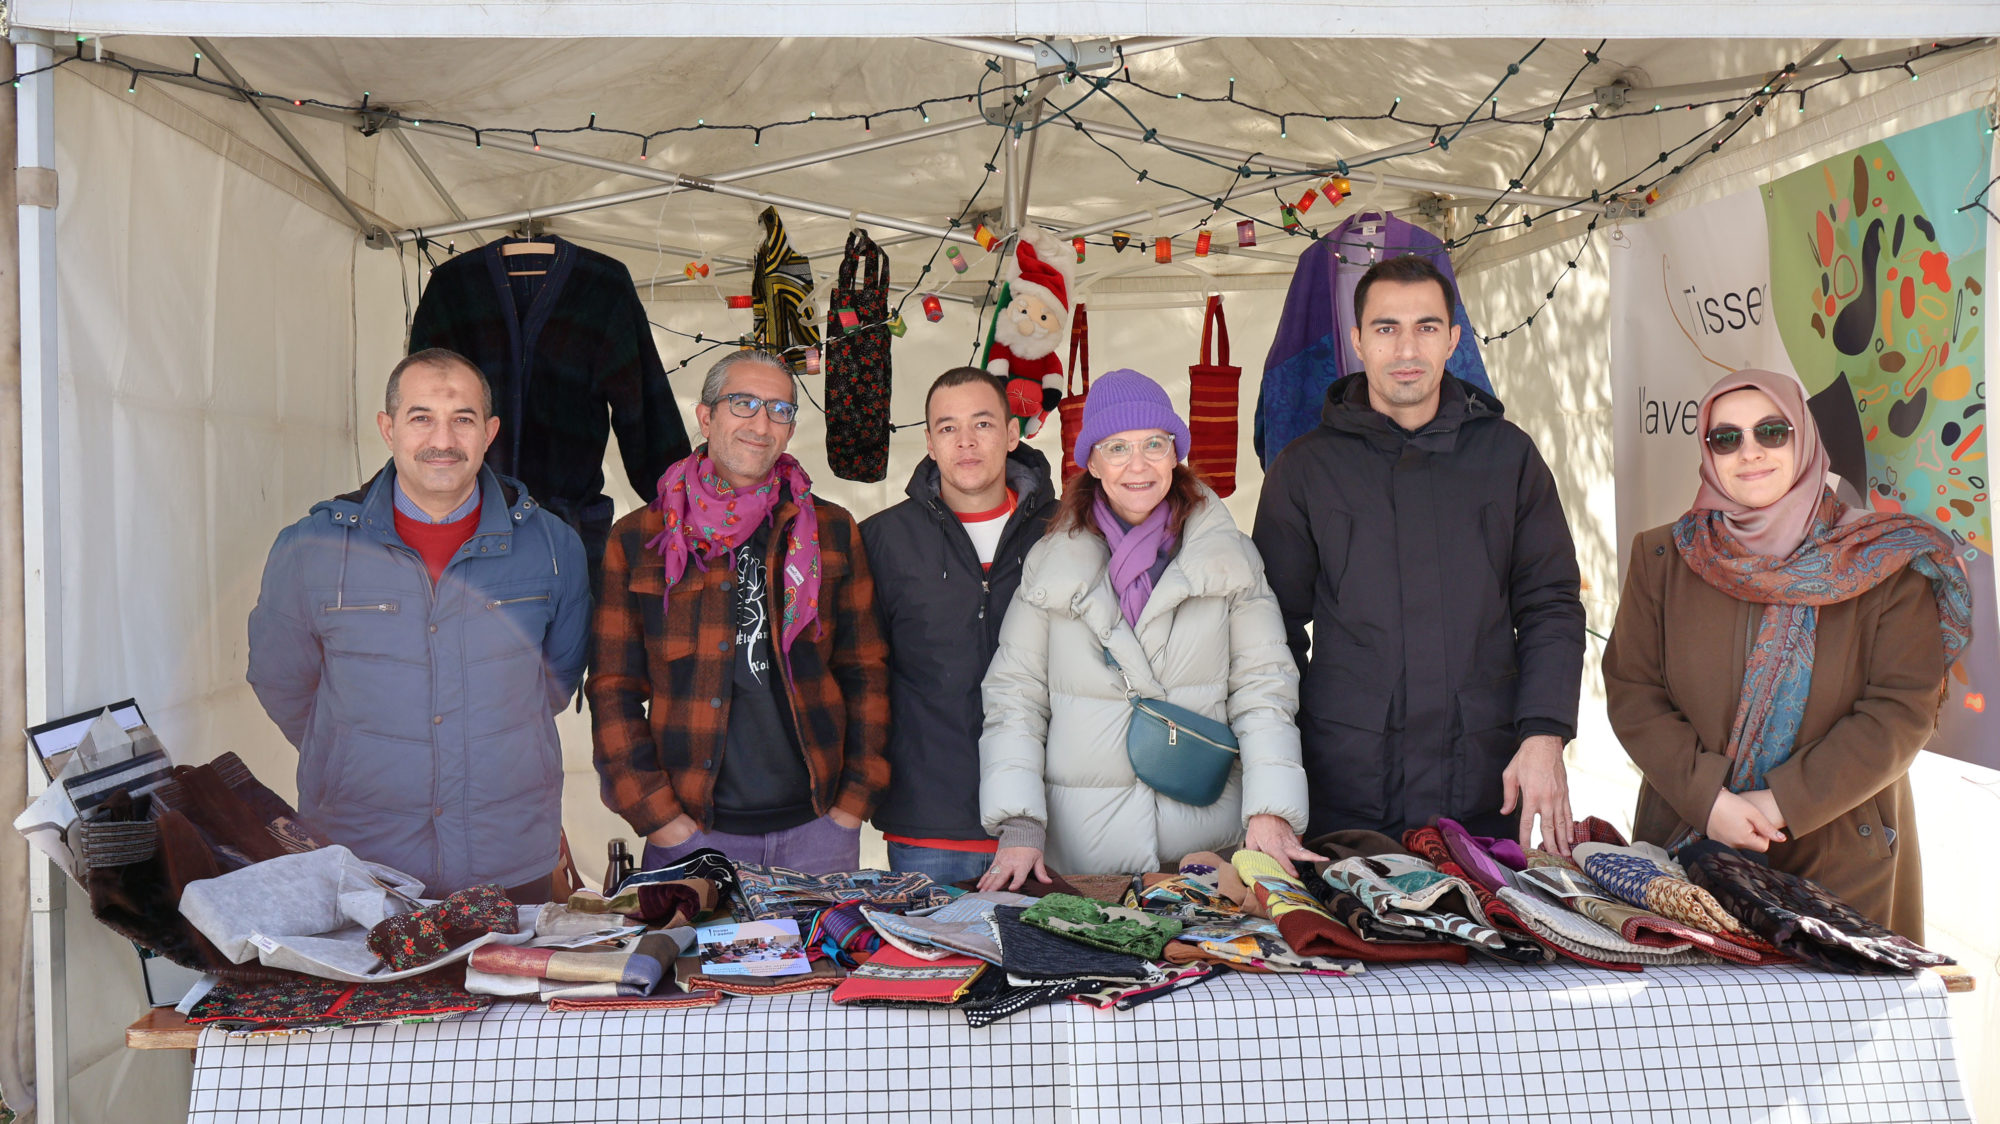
x=941, y=616
x=1441, y=584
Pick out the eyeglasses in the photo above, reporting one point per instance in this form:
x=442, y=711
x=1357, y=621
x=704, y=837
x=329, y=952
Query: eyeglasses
x=747, y=405
x=1156, y=449
x=1726, y=439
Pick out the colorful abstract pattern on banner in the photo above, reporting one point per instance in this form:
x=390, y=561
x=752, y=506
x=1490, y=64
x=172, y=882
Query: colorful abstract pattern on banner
x=1877, y=283
x=1859, y=274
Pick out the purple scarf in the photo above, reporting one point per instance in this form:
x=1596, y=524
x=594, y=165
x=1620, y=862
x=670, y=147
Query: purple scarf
x=1133, y=553
x=706, y=518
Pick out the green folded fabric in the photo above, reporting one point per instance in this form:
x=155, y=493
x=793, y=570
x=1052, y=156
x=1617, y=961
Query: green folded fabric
x=1109, y=927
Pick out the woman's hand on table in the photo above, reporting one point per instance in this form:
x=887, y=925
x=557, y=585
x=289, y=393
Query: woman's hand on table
x=1273, y=836
x=1736, y=820
x=1011, y=868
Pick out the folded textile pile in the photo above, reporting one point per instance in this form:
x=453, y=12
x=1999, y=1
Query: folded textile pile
x=1204, y=888
x=544, y=972
x=1801, y=917
x=965, y=927
x=1251, y=944
x=1110, y=927
x=773, y=893
x=665, y=904
x=894, y=978
x=825, y=976
x=1412, y=899
x=842, y=932
x=1644, y=875
x=1309, y=930
x=302, y=1001
x=1519, y=943
x=1124, y=997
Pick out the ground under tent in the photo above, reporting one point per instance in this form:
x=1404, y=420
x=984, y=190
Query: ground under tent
x=213, y=290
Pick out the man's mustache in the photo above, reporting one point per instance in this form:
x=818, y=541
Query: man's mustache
x=430, y=454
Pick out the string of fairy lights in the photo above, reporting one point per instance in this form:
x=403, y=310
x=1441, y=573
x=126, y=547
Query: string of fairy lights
x=1060, y=112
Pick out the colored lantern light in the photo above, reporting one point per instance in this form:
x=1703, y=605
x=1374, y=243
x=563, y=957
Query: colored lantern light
x=1340, y=184
x=1163, y=249
x=1291, y=217
x=933, y=308
x=1334, y=192
x=1246, y=232
x=695, y=269
x=957, y=260
x=896, y=326
x=1201, y=244
x=1079, y=244
x=1307, y=200
x=739, y=300
x=985, y=237
x=848, y=319
x=811, y=361
x=1120, y=240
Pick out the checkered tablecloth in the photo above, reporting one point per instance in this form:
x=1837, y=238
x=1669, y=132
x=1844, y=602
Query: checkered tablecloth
x=1411, y=1042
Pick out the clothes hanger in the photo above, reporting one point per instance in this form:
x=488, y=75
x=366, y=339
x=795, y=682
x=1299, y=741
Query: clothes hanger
x=529, y=230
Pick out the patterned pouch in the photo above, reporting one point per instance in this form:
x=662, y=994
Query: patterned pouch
x=412, y=940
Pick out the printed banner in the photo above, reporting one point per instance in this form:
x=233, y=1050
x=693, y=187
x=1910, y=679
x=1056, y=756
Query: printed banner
x=1860, y=275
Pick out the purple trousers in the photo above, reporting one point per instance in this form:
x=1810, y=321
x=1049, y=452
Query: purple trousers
x=817, y=847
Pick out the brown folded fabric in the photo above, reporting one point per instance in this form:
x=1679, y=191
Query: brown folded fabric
x=638, y=1002
x=1354, y=843
x=670, y=905
x=825, y=976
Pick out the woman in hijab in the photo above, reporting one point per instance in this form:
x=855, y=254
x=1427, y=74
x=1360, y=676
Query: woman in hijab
x=1143, y=588
x=1779, y=658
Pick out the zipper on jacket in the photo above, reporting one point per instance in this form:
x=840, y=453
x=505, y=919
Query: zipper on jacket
x=378, y=607
x=516, y=601
x=985, y=596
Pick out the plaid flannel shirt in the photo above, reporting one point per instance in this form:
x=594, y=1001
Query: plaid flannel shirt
x=660, y=681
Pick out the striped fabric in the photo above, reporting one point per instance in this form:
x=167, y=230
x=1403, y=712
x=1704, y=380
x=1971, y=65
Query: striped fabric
x=1213, y=406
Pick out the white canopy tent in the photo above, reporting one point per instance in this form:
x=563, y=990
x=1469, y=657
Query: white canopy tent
x=212, y=290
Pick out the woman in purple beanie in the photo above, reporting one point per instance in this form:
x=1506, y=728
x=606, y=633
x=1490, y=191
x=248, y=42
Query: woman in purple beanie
x=1143, y=577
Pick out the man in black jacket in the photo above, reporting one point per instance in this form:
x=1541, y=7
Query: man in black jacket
x=946, y=562
x=1421, y=537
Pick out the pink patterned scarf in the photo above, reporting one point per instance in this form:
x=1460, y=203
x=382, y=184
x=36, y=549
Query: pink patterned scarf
x=707, y=519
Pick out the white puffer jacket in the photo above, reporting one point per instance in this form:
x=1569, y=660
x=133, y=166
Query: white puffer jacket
x=1210, y=639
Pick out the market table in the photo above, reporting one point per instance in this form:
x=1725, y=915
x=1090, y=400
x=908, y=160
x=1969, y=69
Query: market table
x=1474, y=1043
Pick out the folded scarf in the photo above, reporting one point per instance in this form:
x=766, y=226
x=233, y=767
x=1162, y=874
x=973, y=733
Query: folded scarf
x=1125, y=997
x=1113, y=928
x=1643, y=875
x=1255, y=944
x=843, y=934
x=1802, y=917
x=966, y=927
x=640, y=969
x=1033, y=953
x=1310, y=930
x=1134, y=550
x=892, y=977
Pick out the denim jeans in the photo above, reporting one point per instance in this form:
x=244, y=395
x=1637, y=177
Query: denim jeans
x=817, y=847
x=944, y=867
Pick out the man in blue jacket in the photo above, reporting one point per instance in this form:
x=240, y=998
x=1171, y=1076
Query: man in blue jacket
x=415, y=638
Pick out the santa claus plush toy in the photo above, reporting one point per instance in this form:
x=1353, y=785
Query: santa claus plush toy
x=1031, y=322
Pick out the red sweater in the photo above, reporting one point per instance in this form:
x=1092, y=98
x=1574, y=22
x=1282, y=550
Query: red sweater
x=435, y=543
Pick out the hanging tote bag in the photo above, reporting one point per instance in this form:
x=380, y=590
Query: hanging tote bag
x=1070, y=408
x=1213, y=404
x=856, y=355
x=1181, y=755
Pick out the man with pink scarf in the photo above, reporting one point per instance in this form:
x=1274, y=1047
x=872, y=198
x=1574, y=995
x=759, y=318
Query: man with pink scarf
x=739, y=681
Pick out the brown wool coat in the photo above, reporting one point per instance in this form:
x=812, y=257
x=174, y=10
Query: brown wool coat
x=1673, y=673
x=659, y=683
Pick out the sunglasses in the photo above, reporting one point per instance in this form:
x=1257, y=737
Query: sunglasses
x=1726, y=439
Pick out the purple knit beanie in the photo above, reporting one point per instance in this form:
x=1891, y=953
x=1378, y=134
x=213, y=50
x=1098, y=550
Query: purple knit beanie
x=1124, y=400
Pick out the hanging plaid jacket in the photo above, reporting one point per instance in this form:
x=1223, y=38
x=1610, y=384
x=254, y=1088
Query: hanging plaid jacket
x=657, y=761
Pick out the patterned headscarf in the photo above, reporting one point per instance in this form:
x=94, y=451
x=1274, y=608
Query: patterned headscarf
x=706, y=518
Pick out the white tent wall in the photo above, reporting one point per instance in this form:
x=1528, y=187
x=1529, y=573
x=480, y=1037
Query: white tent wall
x=206, y=352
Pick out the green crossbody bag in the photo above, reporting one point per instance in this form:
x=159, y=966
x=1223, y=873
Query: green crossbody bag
x=1181, y=755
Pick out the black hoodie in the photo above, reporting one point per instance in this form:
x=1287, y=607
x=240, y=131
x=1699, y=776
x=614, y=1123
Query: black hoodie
x=1441, y=584
x=941, y=617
